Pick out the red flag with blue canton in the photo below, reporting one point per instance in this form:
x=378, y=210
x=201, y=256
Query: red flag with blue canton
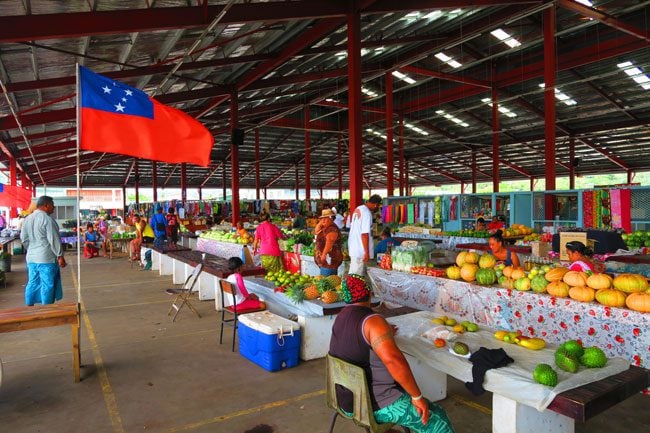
x=117, y=118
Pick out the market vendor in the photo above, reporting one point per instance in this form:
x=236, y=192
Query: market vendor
x=241, y=231
x=93, y=239
x=495, y=224
x=579, y=256
x=266, y=243
x=480, y=225
x=500, y=252
x=328, y=254
x=386, y=240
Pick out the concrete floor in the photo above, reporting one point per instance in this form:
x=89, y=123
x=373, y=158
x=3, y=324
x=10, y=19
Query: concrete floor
x=141, y=372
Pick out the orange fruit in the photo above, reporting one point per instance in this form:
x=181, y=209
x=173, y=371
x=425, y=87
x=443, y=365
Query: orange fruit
x=440, y=342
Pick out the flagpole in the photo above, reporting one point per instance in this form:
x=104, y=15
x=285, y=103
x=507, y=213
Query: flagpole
x=78, y=113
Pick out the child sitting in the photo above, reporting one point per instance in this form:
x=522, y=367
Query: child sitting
x=245, y=301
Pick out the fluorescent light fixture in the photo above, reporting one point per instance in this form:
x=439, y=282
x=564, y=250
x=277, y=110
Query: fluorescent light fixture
x=342, y=54
x=501, y=108
x=369, y=92
x=636, y=74
x=433, y=15
x=403, y=77
x=452, y=118
x=562, y=96
x=584, y=2
x=412, y=15
x=331, y=100
x=506, y=38
x=448, y=60
x=379, y=49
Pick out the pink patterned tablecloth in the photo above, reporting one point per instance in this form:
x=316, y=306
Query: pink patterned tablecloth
x=618, y=331
x=225, y=249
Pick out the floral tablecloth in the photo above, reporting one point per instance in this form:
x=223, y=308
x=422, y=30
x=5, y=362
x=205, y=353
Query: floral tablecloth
x=619, y=332
x=227, y=250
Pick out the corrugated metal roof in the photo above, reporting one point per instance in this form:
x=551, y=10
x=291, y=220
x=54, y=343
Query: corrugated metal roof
x=285, y=55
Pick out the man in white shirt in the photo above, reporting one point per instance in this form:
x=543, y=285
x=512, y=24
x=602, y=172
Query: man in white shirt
x=360, y=242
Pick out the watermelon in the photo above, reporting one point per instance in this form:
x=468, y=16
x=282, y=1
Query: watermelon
x=522, y=284
x=486, y=276
x=538, y=284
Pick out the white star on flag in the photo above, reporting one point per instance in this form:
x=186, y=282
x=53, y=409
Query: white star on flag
x=119, y=107
x=128, y=92
x=106, y=89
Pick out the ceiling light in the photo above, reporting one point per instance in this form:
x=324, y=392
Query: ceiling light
x=584, y=2
x=403, y=77
x=562, y=96
x=433, y=15
x=506, y=38
x=451, y=117
x=636, y=74
x=448, y=60
x=501, y=108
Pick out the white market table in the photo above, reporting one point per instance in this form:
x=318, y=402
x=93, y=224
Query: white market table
x=618, y=331
x=519, y=403
x=228, y=250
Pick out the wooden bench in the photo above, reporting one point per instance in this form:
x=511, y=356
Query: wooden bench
x=43, y=316
x=589, y=400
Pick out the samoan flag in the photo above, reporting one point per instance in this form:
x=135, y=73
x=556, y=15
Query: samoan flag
x=121, y=119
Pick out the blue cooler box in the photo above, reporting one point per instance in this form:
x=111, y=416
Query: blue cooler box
x=270, y=341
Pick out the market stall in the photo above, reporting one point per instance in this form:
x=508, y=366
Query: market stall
x=619, y=332
x=227, y=250
x=512, y=409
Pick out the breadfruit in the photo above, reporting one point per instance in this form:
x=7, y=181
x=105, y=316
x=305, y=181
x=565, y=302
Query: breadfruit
x=573, y=348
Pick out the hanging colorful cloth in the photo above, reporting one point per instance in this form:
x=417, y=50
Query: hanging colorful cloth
x=411, y=213
x=452, y=208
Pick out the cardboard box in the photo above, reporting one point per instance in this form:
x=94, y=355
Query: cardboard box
x=566, y=237
x=540, y=249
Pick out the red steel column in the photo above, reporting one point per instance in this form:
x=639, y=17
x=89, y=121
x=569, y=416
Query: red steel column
x=234, y=159
x=23, y=180
x=13, y=181
x=223, y=179
x=462, y=187
x=550, y=66
x=297, y=185
x=390, y=163
x=354, y=107
x=407, y=186
x=340, y=166
x=154, y=175
x=124, y=200
x=630, y=176
x=257, y=164
x=495, y=141
x=572, y=158
x=200, y=193
x=136, y=175
x=532, y=184
x=307, y=156
x=401, y=154
x=183, y=183
x=473, y=172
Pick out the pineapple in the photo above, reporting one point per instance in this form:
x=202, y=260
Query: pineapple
x=329, y=297
x=295, y=293
x=335, y=280
x=324, y=285
x=311, y=292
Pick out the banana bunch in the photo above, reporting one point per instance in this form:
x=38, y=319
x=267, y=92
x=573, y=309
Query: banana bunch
x=521, y=340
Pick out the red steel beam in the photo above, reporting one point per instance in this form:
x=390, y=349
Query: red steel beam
x=495, y=140
x=234, y=160
x=307, y=155
x=257, y=163
x=390, y=164
x=50, y=175
x=388, y=6
x=46, y=134
x=47, y=148
x=604, y=18
x=446, y=77
x=344, y=106
x=306, y=39
x=75, y=24
x=355, y=119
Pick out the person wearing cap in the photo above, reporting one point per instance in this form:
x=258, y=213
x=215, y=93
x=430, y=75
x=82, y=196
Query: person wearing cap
x=360, y=243
x=159, y=225
x=328, y=254
x=364, y=338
